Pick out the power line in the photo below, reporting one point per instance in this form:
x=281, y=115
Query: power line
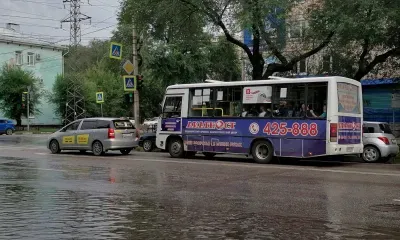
x=99, y=30
x=33, y=25
x=106, y=4
x=99, y=23
x=8, y=9
x=41, y=18
x=42, y=3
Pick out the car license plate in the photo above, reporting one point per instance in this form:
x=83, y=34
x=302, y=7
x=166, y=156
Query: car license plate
x=394, y=141
x=128, y=135
x=349, y=149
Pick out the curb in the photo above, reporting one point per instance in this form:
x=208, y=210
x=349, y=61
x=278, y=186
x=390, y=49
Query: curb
x=31, y=133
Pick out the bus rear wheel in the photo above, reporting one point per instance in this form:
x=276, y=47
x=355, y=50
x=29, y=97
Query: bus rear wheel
x=175, y=148
x=262, y=152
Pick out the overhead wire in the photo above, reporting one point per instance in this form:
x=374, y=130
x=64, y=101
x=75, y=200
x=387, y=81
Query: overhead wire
x=42, y=3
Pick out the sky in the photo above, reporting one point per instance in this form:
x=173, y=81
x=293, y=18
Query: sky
x=41, y=19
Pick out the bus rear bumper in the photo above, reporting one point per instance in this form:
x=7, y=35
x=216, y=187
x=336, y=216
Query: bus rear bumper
x=341, y=149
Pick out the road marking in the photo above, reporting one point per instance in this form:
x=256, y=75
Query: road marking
x=235, y=165
x=396, y=200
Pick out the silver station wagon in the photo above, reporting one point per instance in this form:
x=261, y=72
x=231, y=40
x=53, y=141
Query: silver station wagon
x=98, y=135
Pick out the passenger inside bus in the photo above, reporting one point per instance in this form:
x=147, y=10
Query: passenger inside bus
x=323, y=115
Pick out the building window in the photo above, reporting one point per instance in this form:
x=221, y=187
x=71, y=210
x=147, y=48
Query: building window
x=18, y=58
x=297, y=29
x=31, y=59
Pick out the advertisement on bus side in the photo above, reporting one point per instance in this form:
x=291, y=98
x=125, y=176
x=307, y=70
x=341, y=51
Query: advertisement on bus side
x=349, y=130
x=295, y=138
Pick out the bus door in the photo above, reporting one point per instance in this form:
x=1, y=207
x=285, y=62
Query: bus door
x=171, y=118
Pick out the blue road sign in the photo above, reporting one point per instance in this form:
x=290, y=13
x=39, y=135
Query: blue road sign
x=99, y=97
x=116, y=51
x=129, y=83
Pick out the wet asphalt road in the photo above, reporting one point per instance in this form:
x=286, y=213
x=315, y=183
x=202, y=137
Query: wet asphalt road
x=151, y=196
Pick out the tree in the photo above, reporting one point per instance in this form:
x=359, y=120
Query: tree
x=163, y=18
x=58, y=97
x=367, y=34
x=13, y=82
x=97, y=78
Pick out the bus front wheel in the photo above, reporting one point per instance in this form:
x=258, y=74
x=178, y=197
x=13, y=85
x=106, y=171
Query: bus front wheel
x=175, y=148
x=262, y=151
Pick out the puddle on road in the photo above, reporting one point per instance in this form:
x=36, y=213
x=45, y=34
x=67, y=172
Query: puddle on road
x=101, y=203
x=33, y=212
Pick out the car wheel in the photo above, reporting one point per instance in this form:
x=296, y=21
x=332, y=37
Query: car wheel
x=262, y=152
x=54, y=147
x=371, y=154
x=126, y=151
x=9, y=132
x=97, y=148
x=175, y=148
x=209, y=154
x=147, y=145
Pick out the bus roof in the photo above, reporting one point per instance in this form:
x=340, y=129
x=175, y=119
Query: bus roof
x=272, y=80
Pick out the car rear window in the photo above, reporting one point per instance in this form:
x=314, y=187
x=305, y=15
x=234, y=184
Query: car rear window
x=385, y=128
x=123, y=124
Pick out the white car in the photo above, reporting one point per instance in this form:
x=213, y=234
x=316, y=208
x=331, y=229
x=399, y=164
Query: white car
x=379, y=142
x=151, y=121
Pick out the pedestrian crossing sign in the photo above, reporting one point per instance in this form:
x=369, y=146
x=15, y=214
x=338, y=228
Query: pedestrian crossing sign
x=129, y=83
x=116, y=51
x=99, y=97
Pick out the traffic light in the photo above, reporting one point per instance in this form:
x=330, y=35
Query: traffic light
x=129, y=97
x=139, y=79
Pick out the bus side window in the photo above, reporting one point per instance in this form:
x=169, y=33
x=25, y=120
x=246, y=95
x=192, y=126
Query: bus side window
x=317, y=99
x=201, y=102
x=288, y=100
x=228, y=102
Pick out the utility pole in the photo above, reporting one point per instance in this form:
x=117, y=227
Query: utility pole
x=75, y=106
x=136, y=73
x=28, y=96
x=75, y=18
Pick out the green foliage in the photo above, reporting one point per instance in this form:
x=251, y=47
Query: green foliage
x=367, y=32
x=58, y=97
x=13, y=82
x=100, y=79
x=95, y=79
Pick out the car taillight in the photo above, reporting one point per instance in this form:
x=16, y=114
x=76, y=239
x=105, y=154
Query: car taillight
x=111, y=133
x=333, y=132
x=385, y=140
